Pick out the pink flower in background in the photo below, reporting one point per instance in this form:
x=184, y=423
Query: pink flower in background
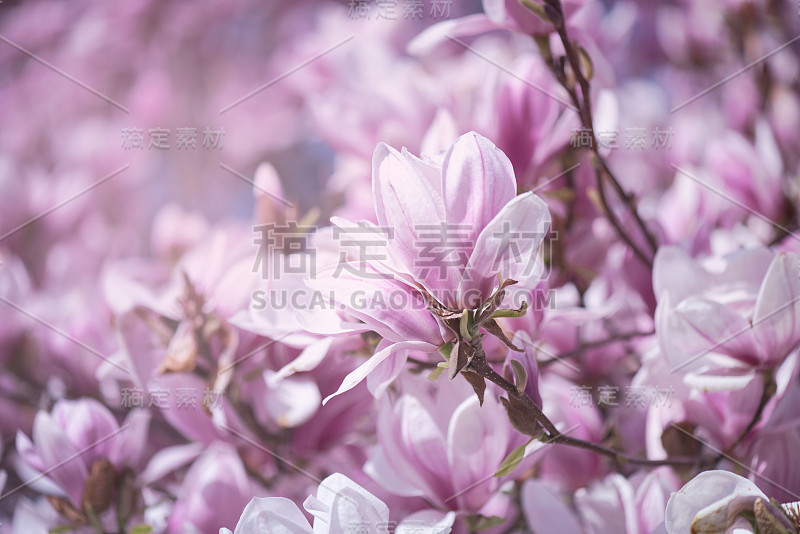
x=73, y=441
x=497, y=15
x=214, y=489
x=443, y=446
x=720, y=325
x=166, y=368
x=633, y=505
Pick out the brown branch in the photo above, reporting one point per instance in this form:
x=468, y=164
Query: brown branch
x=602, y=170
x=552, y=434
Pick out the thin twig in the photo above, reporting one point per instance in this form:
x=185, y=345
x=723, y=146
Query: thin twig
x=602, y=170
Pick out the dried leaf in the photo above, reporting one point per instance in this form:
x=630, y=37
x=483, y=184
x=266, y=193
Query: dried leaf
x=493, y=328
x=460, y=356
x=477, y=382
x=519, y=414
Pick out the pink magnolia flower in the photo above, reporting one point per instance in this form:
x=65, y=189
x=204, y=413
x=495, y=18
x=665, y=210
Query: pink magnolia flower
x=713, y=501
x=444, y=446
x=719, y=325
x=472, y=192
x=340, y=506
x=720, y=417
x=71, y=440
x=530, y=118
x=215, y=487
x=497, y=15
x=771, y=447
x=615, y=504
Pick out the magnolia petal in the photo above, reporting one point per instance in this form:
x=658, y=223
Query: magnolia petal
x=170, y=459
x=380, y=470
x=776, y=319
x=710, y=502
x=440, y=33
x=413, y=449
x=407, y=194
x=478, y=181
x=293, y=401
x=478, y=441
x=129, y=447
x=509, y=242
x=383, y=351
x=274, y=515
x=427, y=522
x=86, y=422
x=441, y=133
x=677, y=274
x=386, y=304
x=306, y=361
x=341, y=504
x=55, y=449
x=383, y=375
x=545, y=511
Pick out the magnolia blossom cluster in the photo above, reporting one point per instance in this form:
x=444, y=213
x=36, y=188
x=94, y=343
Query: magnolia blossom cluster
x=508, y=266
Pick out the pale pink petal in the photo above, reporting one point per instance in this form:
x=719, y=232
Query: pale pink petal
x=340, y=504
x=478, y=182
x=711, y=502
x=170, y=459
x=128, y=446
x=509, y=243
x=65, y=466
x=478, y=442
x=407, y=193
x=385, y=303
x=440, y=33
x=293, y=401
x=383, y=375
x=274, y=515
x=383, y=351
x=545, y=511
x=776, y=319
x=380, y=469
x=441, y=134
x=306, y=361
x=427, y=522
